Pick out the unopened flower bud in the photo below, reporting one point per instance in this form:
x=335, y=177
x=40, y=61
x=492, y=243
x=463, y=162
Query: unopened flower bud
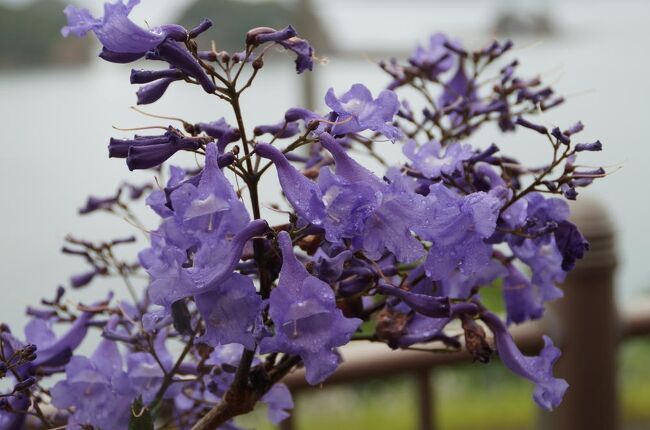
x=24, y=385
x=258, y=63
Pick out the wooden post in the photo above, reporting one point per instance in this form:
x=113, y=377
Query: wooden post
x=425, y=400
x=289, y=423
x=588, y=330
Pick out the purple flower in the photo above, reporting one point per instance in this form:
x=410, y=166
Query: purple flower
x=99, y=203
x=432, y=160
x=201, y=238
x=220, y=130
x=434, y=58
x=145, y=152
x=152, y=92
x=231, y=312
x=287, y=38
x=279, y=400
x=358, y=111
x=306, y=319
x=521, y=297
x=353, y=203
x=548, y=390
x=53, y=351
x=456, y=228
x=89, y=389
x=116, y=32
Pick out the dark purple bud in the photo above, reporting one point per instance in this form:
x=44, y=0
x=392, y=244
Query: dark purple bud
x=295, y=114
x=146, y=76
x=177, y=56
x=119, y=148
x=546, y=105
x=24, y=385
x=490, y=151
x=226, y=159
x=40, y=313
x=201, y=28
x=569, y=191
x=151, y=93
x=95, y=203
x=147, y=157
x=561, y=137
x=455, y=47
x=575, y=128
x=538, y=128
x=3, y=370
x=571, y=244
x=174, y=32
x=28, y=350
x=596, y=173
x=82, y=279
x=260, y=35
x=280, y=130
x=595, y=146
x=120, y=57
x=130, y=239
x=207, y=56
x=434, y=307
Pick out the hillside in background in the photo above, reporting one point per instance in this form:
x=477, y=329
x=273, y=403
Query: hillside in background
x=30, y=37
x=232, y=18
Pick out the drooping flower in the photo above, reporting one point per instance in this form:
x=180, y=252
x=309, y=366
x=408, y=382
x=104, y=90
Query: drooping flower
x=432, y=160
x=539, y=370
x=306, y=319
x=353, y=203
x=116, y=32
x=201, y=238
x=357, y=111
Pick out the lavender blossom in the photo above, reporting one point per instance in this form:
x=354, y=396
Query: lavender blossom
x=357, y=111
x=307, y=321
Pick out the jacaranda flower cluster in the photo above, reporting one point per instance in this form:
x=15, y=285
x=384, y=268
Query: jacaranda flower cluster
x=233, y=304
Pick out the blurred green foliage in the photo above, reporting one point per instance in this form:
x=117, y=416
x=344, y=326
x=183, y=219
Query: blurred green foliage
x=30, y=36
x=467, y=397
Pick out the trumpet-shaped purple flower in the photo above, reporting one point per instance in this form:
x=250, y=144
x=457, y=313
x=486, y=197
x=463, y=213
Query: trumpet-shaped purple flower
x=548, y=390
x=307, y=321
x=116, y=32
x=357, y=111
x=457, y=228
x=200, y=239
x=432, y=160
x=353, y=203
x=89, y=389
x=145, y=152
x=231, y=312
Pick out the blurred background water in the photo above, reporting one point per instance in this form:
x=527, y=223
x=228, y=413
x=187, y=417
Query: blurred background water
x=56, y=114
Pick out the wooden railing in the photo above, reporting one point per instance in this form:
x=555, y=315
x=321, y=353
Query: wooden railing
x=586, y=324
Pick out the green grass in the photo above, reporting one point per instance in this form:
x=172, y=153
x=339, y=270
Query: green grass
x=476, y=397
